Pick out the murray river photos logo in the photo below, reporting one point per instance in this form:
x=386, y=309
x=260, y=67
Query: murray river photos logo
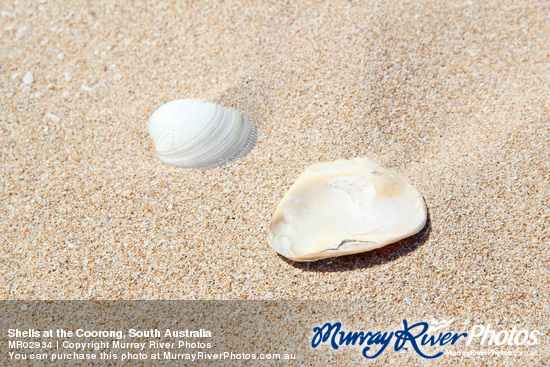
x=420, y=337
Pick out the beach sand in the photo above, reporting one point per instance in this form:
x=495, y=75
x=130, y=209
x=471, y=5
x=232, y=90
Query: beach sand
x=452, y=95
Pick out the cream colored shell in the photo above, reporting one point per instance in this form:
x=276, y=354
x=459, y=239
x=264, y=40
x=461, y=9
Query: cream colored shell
x=345, y=207
x=194, y=134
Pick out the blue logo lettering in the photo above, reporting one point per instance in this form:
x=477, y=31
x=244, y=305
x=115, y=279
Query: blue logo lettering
x=413, y=335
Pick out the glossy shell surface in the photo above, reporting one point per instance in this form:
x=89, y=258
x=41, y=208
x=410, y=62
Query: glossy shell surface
x=345, y=207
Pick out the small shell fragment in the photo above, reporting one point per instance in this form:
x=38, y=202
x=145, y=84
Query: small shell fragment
x=28, y=78
x=345, y=207
x=194, y=134
x=53, y=117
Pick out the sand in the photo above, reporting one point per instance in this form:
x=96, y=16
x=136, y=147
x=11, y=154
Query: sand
x=452, y=95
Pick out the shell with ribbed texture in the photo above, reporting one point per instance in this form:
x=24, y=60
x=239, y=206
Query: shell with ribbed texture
x=194, y=134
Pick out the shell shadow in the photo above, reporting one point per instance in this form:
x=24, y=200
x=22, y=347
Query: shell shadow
x=249, y=96
x=370, y=258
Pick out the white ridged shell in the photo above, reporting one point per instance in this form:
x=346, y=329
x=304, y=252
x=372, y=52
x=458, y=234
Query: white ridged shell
x=345, y=207
x=194, y=134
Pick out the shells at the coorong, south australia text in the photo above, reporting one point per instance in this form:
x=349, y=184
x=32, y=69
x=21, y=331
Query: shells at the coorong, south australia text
x=345, y=207
x=194, y=134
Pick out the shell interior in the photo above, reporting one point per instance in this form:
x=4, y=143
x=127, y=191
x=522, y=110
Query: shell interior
x=345, y=207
